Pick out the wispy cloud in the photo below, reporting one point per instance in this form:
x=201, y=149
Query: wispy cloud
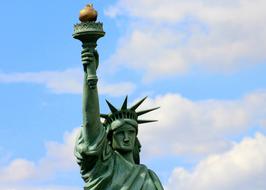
x=67, y=81
x=176, y=36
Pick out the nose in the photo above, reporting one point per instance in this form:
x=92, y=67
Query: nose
x=126, y=139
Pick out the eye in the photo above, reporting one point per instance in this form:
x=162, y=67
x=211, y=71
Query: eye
x=131, y=131
x=118, y=133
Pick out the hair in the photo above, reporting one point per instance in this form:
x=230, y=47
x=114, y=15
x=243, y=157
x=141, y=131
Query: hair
x=119, y=123
x=136, y=151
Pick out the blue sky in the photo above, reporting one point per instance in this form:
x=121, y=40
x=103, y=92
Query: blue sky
x=202, y=62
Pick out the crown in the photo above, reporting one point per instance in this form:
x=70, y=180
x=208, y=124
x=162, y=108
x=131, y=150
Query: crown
x=126, y=113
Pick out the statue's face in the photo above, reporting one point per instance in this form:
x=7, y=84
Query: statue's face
x=124, y=138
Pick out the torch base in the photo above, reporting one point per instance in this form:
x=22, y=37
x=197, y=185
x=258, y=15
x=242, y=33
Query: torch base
x=88, y=32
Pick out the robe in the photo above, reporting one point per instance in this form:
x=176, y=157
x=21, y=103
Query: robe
x=103, y=168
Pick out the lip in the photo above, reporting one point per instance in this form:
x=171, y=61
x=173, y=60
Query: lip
x=126, y=144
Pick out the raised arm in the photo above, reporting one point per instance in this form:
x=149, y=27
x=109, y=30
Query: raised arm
x=90, y=105
x=88, y=32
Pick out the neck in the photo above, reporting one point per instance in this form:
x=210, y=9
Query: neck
x=128, y=156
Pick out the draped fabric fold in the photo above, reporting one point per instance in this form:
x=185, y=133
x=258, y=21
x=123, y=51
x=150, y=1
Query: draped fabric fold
x=102, y=168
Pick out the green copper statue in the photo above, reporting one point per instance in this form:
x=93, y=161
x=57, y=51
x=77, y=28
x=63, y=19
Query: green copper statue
x=107, y=152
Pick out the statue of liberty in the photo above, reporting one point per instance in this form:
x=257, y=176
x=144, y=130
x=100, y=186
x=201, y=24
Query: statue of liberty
x=108, y=151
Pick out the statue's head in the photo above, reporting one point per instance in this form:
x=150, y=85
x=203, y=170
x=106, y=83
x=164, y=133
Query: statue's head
x=123, y=134
x=122, y=127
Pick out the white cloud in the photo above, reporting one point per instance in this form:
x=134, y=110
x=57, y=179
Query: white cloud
x=17, y=170
x=185, y=127
x=117, y=89
x=59, y=158
x=152, y=51
x=243, y=167
x=199, y=128
x=176, y=36
x=67, y=81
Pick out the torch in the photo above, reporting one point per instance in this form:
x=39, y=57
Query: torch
x=88, y=31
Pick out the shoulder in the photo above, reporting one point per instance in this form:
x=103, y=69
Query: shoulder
x=82, y=147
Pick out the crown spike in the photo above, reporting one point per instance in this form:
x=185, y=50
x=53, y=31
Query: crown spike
x=146, y=111
x=124, y=112
x=124, y=106
x=146, y=121
x=137, y=104
x=112, y=108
